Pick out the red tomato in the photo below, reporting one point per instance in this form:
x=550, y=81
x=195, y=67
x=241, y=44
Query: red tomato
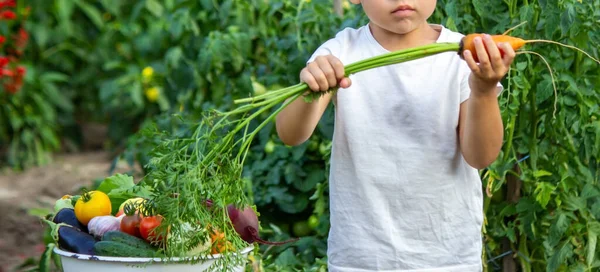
x=147, y=226
x=130, y=224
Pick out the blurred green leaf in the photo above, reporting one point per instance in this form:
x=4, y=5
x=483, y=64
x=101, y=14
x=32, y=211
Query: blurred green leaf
x=92, y=12
x=155, y=7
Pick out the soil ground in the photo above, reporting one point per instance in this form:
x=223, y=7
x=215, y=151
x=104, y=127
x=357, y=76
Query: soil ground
x=21, y=233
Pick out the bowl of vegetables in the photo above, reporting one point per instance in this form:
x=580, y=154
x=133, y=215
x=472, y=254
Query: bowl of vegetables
x=72, y=262
x=122, y=226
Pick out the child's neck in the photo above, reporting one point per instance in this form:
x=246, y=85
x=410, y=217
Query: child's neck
x=391, y=41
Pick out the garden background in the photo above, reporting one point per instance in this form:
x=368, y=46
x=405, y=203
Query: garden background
x=86, y=84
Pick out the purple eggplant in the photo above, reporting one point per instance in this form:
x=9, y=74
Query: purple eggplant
x=74, y=240
x=67, y=216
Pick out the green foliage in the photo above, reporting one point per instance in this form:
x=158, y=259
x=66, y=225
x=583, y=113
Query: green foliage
x=271, y=56
x=552, y=138
x=28, y=119
x=204, y=54
x=30, y=100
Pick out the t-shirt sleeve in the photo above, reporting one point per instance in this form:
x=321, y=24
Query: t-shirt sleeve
x=332, y=46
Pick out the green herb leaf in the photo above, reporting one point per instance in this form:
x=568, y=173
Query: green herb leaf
x=543, y=191
x=117, y=181
x=559, y=257
x=593, y=229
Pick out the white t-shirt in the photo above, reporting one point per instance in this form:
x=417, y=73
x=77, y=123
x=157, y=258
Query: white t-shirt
x=402, y=198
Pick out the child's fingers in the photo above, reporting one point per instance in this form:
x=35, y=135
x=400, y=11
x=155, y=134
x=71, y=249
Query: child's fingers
x=509, y=54
x=337, y=65
x=309, y=79
x=328, y=70
x=345, y=82
x=494, y=54
x=324, y=73
x=484, y=61
x=468, y=56
x=319, y=76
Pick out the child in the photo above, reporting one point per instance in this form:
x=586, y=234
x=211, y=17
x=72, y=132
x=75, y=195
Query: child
x=408, y=140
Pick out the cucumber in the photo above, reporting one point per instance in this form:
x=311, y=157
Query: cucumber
x=130, y=240
x=117, y=249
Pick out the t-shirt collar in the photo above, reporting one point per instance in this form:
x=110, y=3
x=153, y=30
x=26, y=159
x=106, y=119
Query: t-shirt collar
x=372, y=39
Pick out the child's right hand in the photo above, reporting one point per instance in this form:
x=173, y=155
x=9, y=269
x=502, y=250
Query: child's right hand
x=324, y=73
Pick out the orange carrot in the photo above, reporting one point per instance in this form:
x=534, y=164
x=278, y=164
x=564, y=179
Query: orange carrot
x=516, y=43
x=467, y=43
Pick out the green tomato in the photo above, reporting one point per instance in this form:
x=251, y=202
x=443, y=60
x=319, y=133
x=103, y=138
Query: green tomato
x=258, y=88
x=324, y=148
x=269, y=147
x=301, y=228
x=313, y=145
x=313, y=221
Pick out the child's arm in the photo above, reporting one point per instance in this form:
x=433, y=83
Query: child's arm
x=296, y=122
x=480, y=126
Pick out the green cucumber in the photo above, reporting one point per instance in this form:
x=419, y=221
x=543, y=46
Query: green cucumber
x=117, y=249
x=127, y=239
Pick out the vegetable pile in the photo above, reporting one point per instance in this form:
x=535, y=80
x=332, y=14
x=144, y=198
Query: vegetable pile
x=194, y=201
x=90, y=224
x=85, y=224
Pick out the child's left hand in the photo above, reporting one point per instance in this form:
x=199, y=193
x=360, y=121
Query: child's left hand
x=492, y=65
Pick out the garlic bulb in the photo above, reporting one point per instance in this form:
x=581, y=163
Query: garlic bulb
x=100, y=225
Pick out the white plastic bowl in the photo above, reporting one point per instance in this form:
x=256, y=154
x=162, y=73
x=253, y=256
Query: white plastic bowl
x=74, y=262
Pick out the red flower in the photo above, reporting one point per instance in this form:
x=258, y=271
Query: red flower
x=21, y=71
x=14, y=80
x=4, y=61
x=8, y=3
x=7, y=73
x=8, y=15
x=11, y=88
x=2, y=39
x=21, y=38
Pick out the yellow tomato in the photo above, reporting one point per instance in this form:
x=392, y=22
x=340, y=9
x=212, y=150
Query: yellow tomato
x=147, y=72
x=92, y=204
x=152, y=94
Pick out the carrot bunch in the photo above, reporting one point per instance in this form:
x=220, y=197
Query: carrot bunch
x=275, y=97
x=466, y=43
